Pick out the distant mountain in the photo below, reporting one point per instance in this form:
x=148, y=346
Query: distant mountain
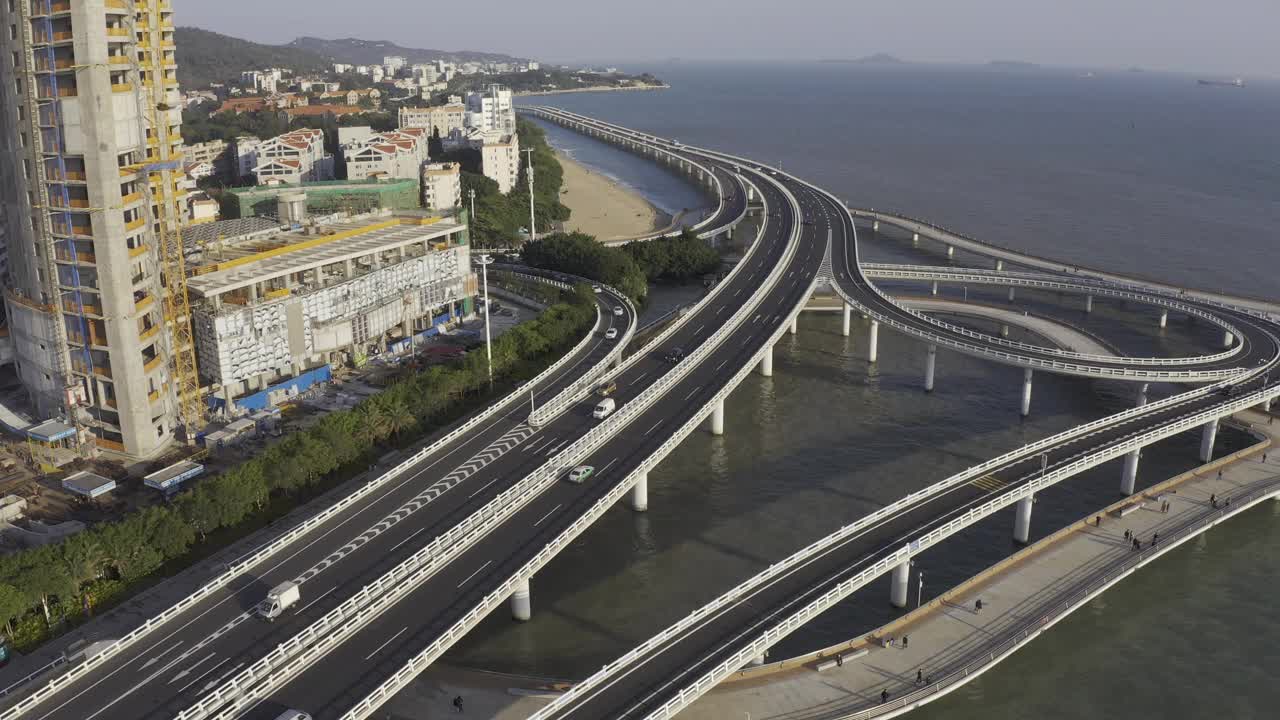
x=877, y=59
x=370, y=52
x=206, y=57
x=1013, y=64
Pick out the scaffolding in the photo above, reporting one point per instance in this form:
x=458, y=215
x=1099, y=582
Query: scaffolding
x=160, y=167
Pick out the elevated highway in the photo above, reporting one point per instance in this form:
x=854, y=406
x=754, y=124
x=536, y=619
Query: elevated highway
x=664, y=674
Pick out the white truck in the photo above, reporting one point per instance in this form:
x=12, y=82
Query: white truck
x=603, y=409
x=281, y=598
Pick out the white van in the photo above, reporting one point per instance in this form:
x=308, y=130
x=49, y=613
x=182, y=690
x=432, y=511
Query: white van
x=603, y=409
x=281, y=598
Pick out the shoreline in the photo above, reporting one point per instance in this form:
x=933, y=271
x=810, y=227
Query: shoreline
x=595, y=88
x=603, y=207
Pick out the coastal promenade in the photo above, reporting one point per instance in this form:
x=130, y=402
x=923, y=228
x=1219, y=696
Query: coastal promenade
x=949, y=641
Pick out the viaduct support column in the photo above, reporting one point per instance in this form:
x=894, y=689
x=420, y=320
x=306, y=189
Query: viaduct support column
x=951, y=251
x=848, y=316
x=1206, y=440
x=873, y=342
x=640, y=494
x=898, y=592
x=717, y=419
x=999, y=266
x=1026, y=392
x=795, y=326
x=1142, y=394
x=1088, y=303
x=1130, y=477
x=1266, y=405
x=766, y=362
x=930, y=361
x=1022, y=520
x=521, y=604
x=915, y=239
x=1011, y=294
x=934, y=289
x=1164, y=319
x=875, y=226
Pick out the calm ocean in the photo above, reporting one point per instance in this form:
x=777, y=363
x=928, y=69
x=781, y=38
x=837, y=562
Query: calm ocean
x=1138, y=172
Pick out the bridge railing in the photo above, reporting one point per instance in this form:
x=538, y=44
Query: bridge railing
x=973, y=515
x=237, y=567
x=1049, y=282
x=622, y=416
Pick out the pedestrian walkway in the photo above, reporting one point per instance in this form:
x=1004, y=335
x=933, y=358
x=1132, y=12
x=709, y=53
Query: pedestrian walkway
x=950, y=641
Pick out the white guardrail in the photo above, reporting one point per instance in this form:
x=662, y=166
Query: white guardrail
x=847, y=587
x=246, y=562
x=1050, y=282
x=619, y=419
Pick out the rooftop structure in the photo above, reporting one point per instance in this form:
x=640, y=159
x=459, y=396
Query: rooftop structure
x=294, y=157
x=396, y=154
x=324, y=198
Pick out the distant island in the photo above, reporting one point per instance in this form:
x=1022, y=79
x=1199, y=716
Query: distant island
x=1014, y=64
x=877, y=59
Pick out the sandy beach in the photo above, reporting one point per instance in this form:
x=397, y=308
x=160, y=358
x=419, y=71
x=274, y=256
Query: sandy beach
x=602, y=207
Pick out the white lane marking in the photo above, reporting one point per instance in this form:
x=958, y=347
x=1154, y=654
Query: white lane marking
x=388, y=642
x=322, y=595
x=477, y=572
x=739, y=292
x=695, y=392
x=549, y=512
x=606, y=467
x=557, y=446
x=722, y=364
x=204, y=674
x=646, y=372
x=156, y=659
x=534, y=446
x=483, y=487
x=187, y=672
x=397, y=545
x=699, y=330
x=655, y=427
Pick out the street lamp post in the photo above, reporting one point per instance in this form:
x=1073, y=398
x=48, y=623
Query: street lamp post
x=919, y=589
x=485, y=261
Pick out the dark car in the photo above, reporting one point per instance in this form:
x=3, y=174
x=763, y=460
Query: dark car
x=674, y=356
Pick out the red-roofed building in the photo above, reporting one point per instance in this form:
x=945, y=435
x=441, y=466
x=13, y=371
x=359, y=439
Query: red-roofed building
x=243, y=105
x=320, y=110
x=396, y=154
x=294, y=157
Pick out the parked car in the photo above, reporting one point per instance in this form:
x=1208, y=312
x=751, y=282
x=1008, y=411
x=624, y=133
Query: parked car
x=580, y=474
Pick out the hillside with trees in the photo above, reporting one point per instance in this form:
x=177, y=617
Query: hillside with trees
x=206, y=57
x=355, y=51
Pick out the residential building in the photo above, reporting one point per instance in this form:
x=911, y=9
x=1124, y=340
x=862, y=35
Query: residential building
x=340, y=68
x=245, y=152
x=201, y=208
x=198, y=170
x=90, y=154
x=320, y=110
x=376, y=73
x=491, y=110
x=441, y=187
x=437, y=119
x=393, y=64
x=217, y=153
x=353, y=97
x=242, y=105
x=500, y=161
x=294, y=157
x=278, y=306
x=395, y=154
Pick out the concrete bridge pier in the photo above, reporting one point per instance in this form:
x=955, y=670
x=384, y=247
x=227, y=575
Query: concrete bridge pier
x=1022, y=520
x=1088, y=303
x=848, y=317
x=1142, y=394
x=951, y=251
x=915, y=239
x=1228, y=339
x=751, y=194
x=930, y=362
x=873, y=342
x=795, y=326
x=1011, y=294
x=999, y=266
x=521, y=603
x=1130, y=477
x=766, y=362
x=1164, y=319
x=1026, y=392
x=1207, y=438
x=756, y=661
x=1004, y=331
x=639, y=495
x=1266, y=405
x=934, y=290
x=717, y=418
x=898, y=591
x=875, y=226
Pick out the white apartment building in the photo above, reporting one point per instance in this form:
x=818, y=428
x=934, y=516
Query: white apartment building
x=397, y=154
x=393, y=64
x=340, y=68
x=294, y=157
x=500, y=161
x=436, y=119
x=245, y=155
x=491, y=110
x=441, y=187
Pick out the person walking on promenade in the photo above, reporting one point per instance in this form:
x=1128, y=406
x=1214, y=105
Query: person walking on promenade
x=1213, y=499
x=1097, y=522
x=1137, y=545
x=977, y=605
x=1127, y=534
x=884, y=696
x=1155, y=538
x=919, y=677
x=457, y=703
x=905, y=640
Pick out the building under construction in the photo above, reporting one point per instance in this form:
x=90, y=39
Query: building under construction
x=274, y=306
x=90, y=156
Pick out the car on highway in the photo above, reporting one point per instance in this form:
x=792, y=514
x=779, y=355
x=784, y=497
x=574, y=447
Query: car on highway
x=597, y=289
x=293, y=715
x=674, y=356
x=580, y=474
x=604, y=408
x=611, y=334
x=607, y=388
x=617, y=310
x=281, y=598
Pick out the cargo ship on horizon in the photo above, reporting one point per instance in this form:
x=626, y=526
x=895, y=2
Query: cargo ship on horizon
x=1238, y=82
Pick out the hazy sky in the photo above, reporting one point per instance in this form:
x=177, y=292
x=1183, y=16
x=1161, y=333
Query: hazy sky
x=1227, y=36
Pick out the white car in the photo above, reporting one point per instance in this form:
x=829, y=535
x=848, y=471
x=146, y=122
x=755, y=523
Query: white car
x=618, y=311
x=580, y=474
x=611, y=334
x=597, y=289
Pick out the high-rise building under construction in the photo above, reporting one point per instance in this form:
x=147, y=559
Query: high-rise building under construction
x=90, y=156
